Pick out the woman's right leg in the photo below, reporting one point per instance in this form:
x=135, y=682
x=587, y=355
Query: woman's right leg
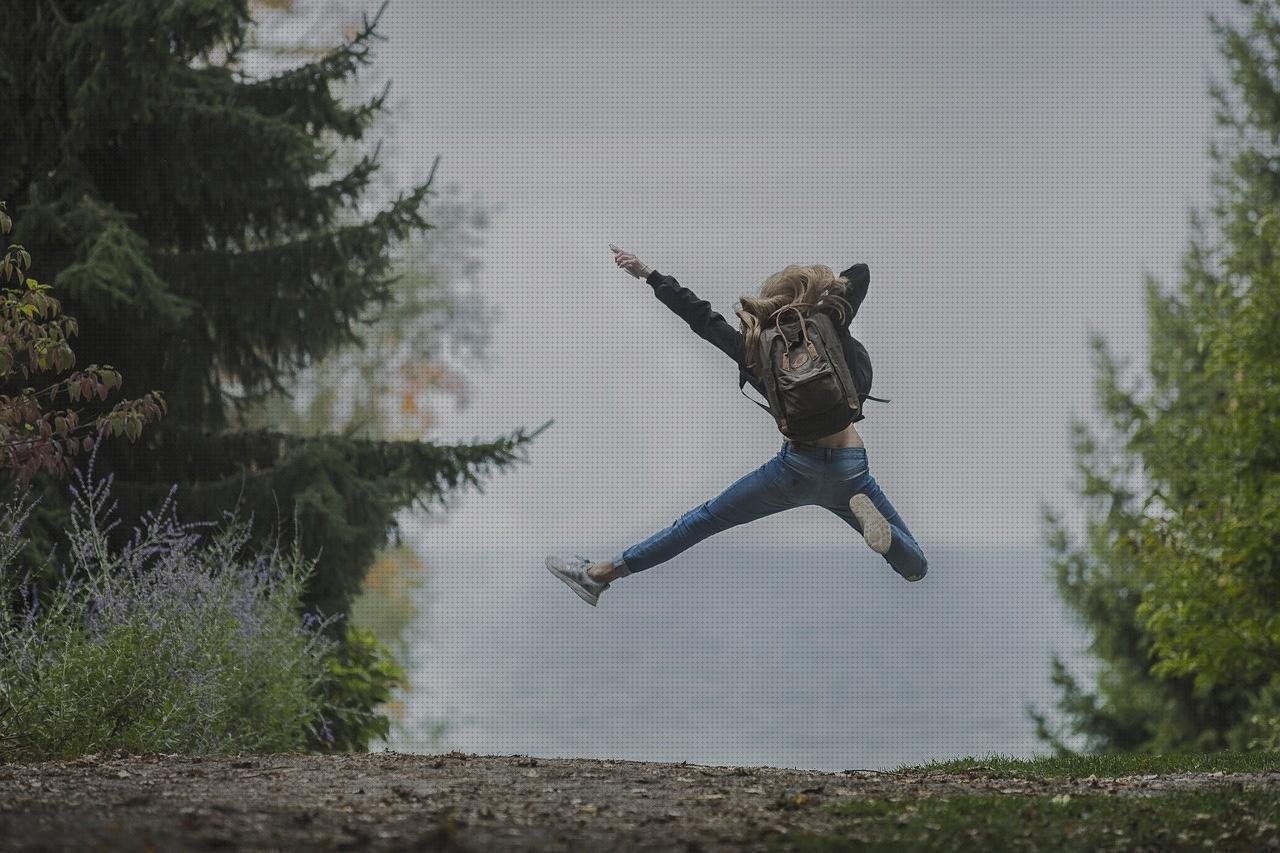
x=762, y=492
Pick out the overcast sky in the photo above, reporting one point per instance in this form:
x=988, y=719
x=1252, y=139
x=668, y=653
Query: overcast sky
x=1009, y=171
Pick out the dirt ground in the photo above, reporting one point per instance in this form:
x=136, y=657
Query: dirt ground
x=388, y=801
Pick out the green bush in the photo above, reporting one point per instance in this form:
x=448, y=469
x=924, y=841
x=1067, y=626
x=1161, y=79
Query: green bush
x=177, y=643
x=359, y=677
x=1261, y=730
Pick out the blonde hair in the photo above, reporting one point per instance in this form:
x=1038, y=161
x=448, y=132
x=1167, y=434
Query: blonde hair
x=797, y=286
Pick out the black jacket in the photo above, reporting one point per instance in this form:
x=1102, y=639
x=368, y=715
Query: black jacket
x=711, y=326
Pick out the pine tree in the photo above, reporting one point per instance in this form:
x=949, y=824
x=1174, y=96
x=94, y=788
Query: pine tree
x=186, y=212
x=1179, y=573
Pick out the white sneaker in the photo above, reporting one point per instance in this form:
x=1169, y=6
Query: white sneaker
x=875, y=527
x=573, y=572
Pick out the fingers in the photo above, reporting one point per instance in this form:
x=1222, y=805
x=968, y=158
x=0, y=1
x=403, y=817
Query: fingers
x=627, y=261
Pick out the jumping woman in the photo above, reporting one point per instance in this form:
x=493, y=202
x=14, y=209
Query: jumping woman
x=795, y=349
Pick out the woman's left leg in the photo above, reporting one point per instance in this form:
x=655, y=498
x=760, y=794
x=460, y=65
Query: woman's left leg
x=764, y=491
x=904, y=555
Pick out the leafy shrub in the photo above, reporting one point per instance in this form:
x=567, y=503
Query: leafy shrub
x=1261, y=730
x=359, y=676
x=178, y=643
x=34, y=339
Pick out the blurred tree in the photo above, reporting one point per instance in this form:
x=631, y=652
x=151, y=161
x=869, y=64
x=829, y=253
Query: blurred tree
x=391, y=384
x=411, y=364
x=185, y=209
x=1179, y=574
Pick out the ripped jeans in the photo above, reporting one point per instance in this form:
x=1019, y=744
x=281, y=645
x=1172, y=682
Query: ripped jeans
x=799, y=475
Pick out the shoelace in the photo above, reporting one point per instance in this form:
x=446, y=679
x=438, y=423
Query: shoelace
x=585, y=565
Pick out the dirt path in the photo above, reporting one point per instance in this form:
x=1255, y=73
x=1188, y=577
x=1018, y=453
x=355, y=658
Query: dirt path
x=455, y=801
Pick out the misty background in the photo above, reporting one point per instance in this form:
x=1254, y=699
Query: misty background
x=1009, y=171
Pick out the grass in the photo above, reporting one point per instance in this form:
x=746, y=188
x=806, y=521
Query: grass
x=1109, y=765
x=1233, y=818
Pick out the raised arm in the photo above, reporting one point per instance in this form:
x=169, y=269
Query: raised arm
x=859, y=277
x=708, y=324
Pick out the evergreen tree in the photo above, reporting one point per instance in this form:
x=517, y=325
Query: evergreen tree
x=185, y=210
x=1178, y=577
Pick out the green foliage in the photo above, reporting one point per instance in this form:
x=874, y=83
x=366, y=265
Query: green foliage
x=35, y=339
x=1240, y=819
x=1111, y=764
x=1179, y=572
x=1261, y=730
x=358, y=678
x=191, y=214
x=177, y=643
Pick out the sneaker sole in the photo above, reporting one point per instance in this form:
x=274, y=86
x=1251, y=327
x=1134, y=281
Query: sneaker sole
x=556, y=567
x=875, y=527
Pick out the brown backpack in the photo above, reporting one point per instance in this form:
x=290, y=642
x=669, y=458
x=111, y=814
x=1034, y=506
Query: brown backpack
x=805, y=375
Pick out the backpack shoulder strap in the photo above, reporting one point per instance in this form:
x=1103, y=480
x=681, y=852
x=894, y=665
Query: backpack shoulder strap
x=742, y=388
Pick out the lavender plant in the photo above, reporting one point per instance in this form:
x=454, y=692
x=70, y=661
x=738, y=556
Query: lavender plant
x=178, y=642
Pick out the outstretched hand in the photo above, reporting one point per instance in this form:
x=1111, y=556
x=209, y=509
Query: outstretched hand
x=630, y=262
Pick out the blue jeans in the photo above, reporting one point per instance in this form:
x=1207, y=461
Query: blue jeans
x=799, y=475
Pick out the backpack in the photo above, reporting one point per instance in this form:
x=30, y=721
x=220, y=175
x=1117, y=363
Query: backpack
x=801, y=363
